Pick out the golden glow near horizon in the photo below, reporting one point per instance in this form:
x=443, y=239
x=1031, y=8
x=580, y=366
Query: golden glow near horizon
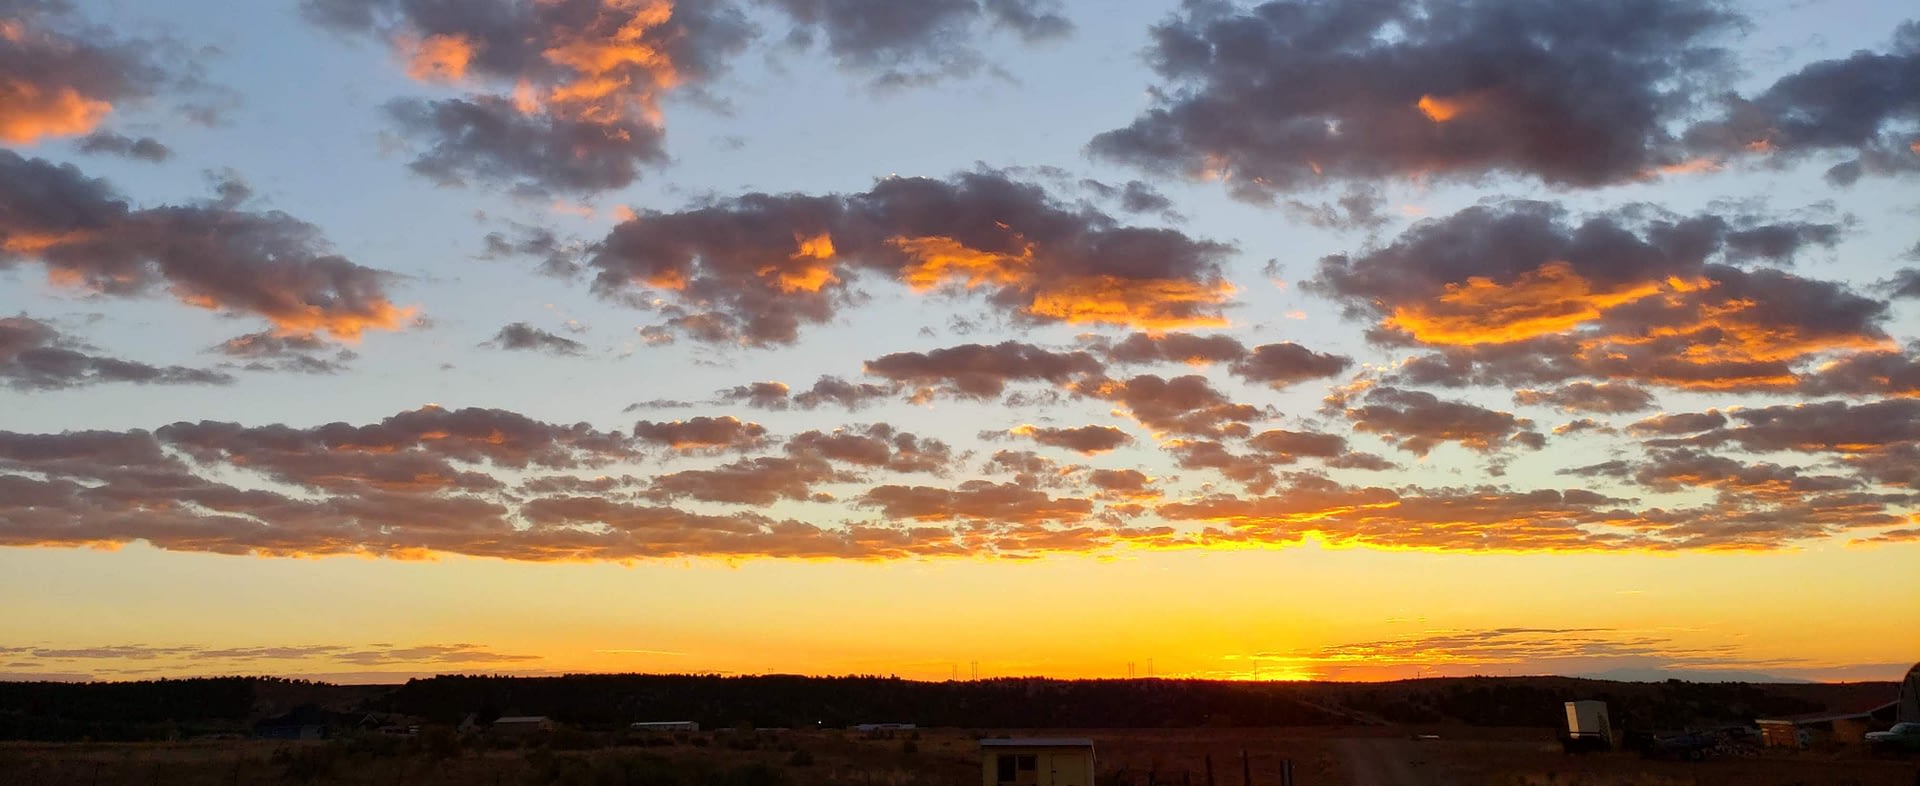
x=1229, y=618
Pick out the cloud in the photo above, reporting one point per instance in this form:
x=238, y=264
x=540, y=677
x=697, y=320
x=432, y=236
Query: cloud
x=915, y=43
x=60, y=77
x=974, y=500
x=1185, y=405
x=1464, y=652
x=419, y=483
x=270, y=265
x=834, y=390
x=1416, y=421
x=1282, y=446
x=1679, y=423
x=525, y=337
x=756, y=269
x=631, y=531
x=568, y=95
x=1131, y=483
x=1862, y=105
x=759, y=395
x=266, y=351
x=562, y=95
x=317, y=654
x=703, y=433
x=1286, y=363
x=1085, y=440
x=1822, y=427
x=1685, y=468
x=828, y=389
x=873, y=446
x=1606, y=397
x=809, y=461
x=1583, y=424
x=749, y=481
x=981, y=370
x=1480, y=519
x=1894, y=373
x=35, y=356
x=145, y=148
x=1287, y=95
x=420, y=452
x=1905, y=283
x=1491, y=518
x=1517, y=295
x=1251, y=471
x=489, y=483
x=1172, y=347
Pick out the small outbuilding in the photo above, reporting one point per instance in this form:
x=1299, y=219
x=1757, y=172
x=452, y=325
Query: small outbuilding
x=521, y=724
x=664, y=726
x=1036, y=761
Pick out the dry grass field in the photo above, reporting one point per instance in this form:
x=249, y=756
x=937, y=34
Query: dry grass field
x=1372, y=756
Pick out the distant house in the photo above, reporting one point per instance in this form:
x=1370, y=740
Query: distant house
x=873, y=727
x=664, y=726
x=1036, y=761
x=1848, y=725
x=514, y=725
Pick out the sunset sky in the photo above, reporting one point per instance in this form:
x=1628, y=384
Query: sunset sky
x=365, y=339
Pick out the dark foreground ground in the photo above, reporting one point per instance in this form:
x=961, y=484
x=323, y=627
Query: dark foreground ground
x=1369, y=756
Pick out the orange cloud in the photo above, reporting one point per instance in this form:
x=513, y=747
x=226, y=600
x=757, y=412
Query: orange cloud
x=29, y=113
x=1690, y=166
x=1548, y=301
x=941, y=260
x=309, y=319
x=613, y=73
x=816, y=271
x=436, y=58
x=1161, y=304
x=1441, y=110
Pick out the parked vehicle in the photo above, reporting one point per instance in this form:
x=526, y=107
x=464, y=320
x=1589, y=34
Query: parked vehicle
x=1902, y=738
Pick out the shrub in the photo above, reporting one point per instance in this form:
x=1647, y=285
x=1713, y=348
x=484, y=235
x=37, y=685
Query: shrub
x=800, y=758
x=306, y=764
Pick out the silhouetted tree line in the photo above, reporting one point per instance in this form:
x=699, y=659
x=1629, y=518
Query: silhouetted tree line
x=1500, y=702
x=807, y=702
x=123, y=711
x=180, y=708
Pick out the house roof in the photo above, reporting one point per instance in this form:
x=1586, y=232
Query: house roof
x=1037, y=742
x=521, y=719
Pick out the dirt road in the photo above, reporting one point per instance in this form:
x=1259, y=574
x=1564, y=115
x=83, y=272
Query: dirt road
x=1388, y=761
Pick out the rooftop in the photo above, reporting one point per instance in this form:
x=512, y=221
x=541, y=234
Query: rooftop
x=1037, y=742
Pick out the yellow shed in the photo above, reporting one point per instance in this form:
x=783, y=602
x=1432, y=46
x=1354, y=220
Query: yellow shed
x=1036, y=761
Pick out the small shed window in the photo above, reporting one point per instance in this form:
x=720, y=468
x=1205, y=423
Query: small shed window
x=1010, y=765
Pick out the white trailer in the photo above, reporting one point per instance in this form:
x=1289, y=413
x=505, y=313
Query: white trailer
x=1588, y=727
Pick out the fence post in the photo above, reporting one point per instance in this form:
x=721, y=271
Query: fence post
x=1246, y=769
x=1209, y=769
x=1286, y=772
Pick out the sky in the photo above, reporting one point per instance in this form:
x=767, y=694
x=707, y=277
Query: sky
x=365, y=339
